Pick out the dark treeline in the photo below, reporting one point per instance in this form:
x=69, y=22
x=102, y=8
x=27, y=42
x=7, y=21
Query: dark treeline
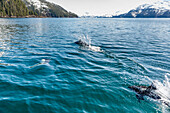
x=18, y=8
x=10, y=8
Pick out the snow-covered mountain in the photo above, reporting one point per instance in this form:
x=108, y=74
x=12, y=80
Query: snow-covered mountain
x=47, y=9
x=160, y=9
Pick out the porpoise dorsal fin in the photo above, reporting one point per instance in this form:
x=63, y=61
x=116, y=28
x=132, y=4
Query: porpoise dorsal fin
x=151, y=87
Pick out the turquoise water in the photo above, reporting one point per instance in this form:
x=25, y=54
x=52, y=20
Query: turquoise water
x=42, y=70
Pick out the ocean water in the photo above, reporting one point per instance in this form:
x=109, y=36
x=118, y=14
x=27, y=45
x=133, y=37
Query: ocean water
x=42, y=70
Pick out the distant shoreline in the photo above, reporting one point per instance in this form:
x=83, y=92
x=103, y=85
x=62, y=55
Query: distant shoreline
x=33, y=16
x=121, y=17
x=76, y=17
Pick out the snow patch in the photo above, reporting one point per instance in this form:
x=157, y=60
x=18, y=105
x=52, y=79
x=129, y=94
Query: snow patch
x=38, y=4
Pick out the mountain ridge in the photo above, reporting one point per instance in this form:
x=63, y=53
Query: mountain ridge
x=32, y=8
x=159, y=9
x=47, y=9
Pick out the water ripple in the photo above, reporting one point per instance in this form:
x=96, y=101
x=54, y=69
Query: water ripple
x=42, y=70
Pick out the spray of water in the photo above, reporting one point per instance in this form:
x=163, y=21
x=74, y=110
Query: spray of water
x=87, y=39
x=163, y=89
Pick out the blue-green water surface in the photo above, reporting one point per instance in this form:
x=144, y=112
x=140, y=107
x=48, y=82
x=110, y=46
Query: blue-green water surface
x=42, y=70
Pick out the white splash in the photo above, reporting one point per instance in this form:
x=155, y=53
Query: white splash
x=87, y=39
x=95, y=48
x=163, y=90
x=43, y=61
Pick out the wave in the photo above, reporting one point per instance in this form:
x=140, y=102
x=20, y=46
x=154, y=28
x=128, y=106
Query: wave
x=163, y=90
x=43, y=61
x=125, y=63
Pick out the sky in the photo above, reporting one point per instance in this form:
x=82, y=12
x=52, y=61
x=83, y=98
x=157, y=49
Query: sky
x=99, y=7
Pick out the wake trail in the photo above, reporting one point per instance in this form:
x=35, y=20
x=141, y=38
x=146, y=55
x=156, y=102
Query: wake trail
x=85, y=42
x=163, y=89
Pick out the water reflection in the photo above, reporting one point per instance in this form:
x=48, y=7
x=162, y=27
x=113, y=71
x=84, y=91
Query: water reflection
x=10, y=39
x=20, y=38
